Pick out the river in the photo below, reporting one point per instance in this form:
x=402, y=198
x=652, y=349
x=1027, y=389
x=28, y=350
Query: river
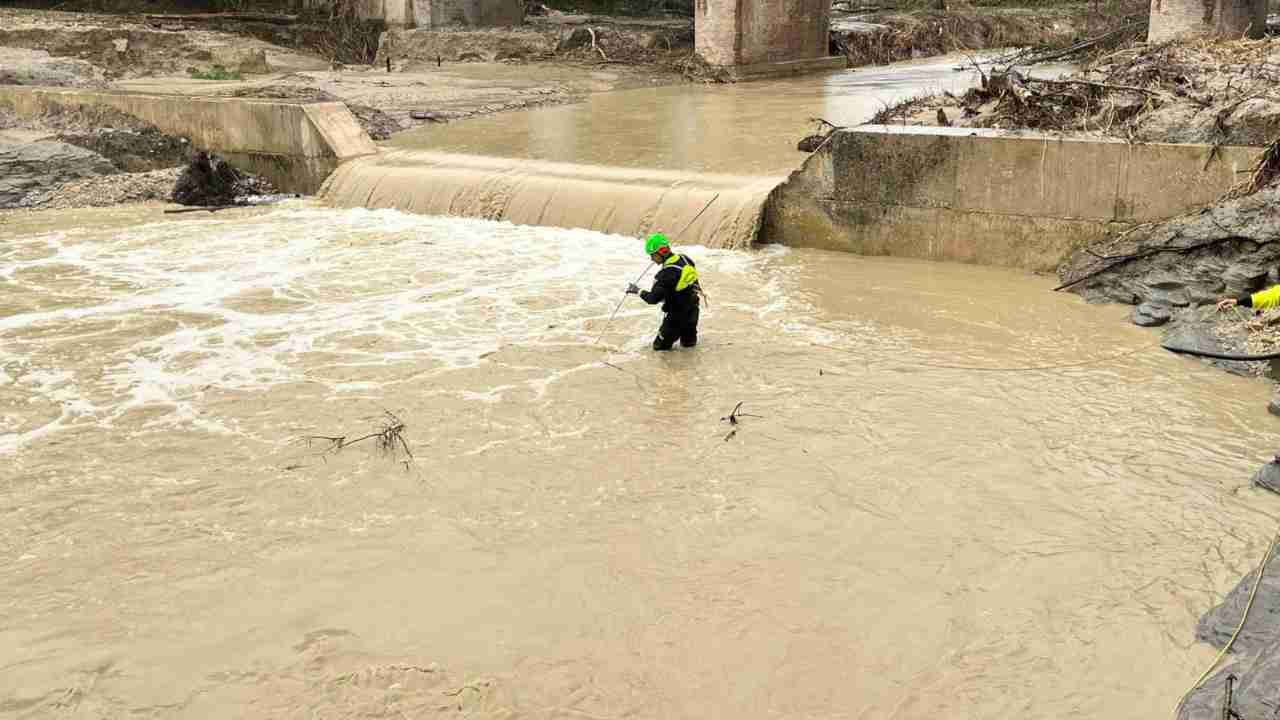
x=953, y=493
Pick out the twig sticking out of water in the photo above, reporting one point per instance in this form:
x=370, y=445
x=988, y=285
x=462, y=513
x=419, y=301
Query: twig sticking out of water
x=733, y=420
x=389, y=439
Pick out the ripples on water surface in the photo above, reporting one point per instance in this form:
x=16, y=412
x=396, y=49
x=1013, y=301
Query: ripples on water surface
x=889, y=539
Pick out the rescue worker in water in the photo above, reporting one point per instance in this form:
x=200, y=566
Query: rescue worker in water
x=676, y=287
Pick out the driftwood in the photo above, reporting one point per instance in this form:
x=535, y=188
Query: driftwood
x=388, y=438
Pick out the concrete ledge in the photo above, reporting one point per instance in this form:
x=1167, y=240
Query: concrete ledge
x=294, y=145
x=790, y=67
x=987, y=196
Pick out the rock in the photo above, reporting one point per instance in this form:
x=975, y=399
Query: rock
x=1193, y=259
x=1273, y=407
x=1199, y=329
x=1269, y=475
x=1151, y=315
x=37, y=67
x=107, y=190
x=1256, y=693
x=31, y=167
x=1256, y=650
x=1254, y=122
x=1262, y=631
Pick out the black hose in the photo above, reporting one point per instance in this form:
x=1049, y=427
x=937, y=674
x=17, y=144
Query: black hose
x=1221, y=356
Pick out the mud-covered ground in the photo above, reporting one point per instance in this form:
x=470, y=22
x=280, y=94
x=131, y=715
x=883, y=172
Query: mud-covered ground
x=884, y=36
x=1207, y=92
x=85, y=159
x=1182, y=92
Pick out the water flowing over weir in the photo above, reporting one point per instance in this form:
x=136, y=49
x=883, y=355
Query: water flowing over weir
x=632, y=162
x=620, y=201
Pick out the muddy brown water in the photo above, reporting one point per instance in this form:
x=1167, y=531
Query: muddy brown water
x=894, y=536
x=740, y=129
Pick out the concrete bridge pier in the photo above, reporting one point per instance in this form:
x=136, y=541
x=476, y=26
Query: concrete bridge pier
x=763, y=38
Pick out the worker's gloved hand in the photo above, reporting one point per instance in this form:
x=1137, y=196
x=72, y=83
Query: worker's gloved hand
x=633, y=289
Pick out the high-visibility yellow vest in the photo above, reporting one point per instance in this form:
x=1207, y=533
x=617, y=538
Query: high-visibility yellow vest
x=1266, y=299
x=688, y=273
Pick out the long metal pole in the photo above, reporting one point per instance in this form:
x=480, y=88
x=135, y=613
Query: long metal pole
x=646, y=267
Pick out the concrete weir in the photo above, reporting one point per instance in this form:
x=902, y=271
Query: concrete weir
x=294, y=145
x=986, y=196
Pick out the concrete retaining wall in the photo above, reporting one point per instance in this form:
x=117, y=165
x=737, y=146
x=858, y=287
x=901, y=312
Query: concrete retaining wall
x=988, y=197
x=293, y=145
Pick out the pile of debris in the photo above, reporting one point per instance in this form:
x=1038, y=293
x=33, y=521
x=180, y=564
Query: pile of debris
x=1213, y=92
x=612, y=45
x=209, y=181
x=883, y=38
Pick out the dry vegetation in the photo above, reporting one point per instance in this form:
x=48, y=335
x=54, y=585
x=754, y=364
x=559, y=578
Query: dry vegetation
x=927, y=33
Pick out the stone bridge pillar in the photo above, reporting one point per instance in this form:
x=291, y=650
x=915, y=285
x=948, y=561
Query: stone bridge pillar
x=1206, y=18
x=756, y=38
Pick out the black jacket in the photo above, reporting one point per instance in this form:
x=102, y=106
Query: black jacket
x=664, y=289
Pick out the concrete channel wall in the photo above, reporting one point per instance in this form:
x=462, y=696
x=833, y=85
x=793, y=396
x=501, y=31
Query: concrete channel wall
x=293, y=145
x=986, y=196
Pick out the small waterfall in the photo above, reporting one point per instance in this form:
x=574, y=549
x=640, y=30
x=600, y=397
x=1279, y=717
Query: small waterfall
x=621, y=201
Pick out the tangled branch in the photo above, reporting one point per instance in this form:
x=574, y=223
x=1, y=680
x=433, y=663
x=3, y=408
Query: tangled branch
x=388, y=438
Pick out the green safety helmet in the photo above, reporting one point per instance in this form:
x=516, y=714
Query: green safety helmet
x=656, y=242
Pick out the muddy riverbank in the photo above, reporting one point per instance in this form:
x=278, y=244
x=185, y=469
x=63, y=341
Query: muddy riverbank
x=85, y=159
